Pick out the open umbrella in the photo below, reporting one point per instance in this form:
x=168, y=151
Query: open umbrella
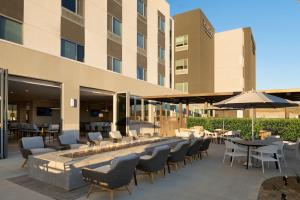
x=253, y=99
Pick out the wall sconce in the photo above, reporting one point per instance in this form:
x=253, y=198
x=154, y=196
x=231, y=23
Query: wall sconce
x=73, y=103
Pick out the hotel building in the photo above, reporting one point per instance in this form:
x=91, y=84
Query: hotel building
x=77, y=62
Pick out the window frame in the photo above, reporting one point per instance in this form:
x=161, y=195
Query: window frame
x=112, y=64
x=144, y=73
x=184, y=86
x=76, y=7
x=184, y=45
x=160, y=19
x=76, y=50
x=159, y=79
x=185, y=66
x=141, y=14
x=112, y=26
x=161, y=49
x=6, y=18
x=143, y=37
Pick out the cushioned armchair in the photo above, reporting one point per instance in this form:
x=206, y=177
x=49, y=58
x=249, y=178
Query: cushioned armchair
x=111, y=177
x=154, y=162
x=94, y=138
x=193, y=150
x=115, y=135
x=133, y=134
x=204, y=147
x=71, y=141
x=177, y=155
x=33, y=146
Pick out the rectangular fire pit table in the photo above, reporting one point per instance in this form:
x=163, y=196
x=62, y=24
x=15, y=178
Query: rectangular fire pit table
x=64, y=170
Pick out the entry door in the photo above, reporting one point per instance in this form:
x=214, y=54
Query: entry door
x=3, y=113
x=122, y=114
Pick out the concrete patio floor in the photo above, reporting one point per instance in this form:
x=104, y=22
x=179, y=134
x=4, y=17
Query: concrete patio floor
x=208, y=179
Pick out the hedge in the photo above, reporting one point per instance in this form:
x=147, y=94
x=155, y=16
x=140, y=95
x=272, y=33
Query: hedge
x=288, y=129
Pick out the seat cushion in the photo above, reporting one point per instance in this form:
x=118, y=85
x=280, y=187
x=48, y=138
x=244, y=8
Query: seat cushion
x=133, y=133
x=77, y=146
x=115, y=135
x=103, y=169
x=117, y=160
x=32, y=142
x=179, y=145
x=37, y=151
x=95, y=136
x=145, y=157
x=68, y=138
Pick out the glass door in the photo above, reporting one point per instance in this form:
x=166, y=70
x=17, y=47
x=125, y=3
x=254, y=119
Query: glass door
x=122, y=112
x=3, y=113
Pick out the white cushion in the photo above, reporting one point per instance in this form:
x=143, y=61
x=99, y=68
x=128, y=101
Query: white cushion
x=41, y=151
x=77, y=146
x=115, y=135
x=145, y=157
x=32, y=142
x=95, y=136
x=132, y=133
x=103, y=169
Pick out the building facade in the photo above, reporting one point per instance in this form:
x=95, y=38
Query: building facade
x=235, y=61
x=60, y=58
x=193, y=53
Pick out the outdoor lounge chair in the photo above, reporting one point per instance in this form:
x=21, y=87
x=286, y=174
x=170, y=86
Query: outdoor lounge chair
x=71, y=141
x=193, y=150
x=204, y=147
x=94, y=137
x=115, y=135
x=52, y=131
x=178, y=154
x=155, y=162
x=33, y=146
x=111, y=177
x=133, y=134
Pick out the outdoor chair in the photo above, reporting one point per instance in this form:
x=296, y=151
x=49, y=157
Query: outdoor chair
x=112, y=177
x=33, y=146
x=193, y=150
x=71, y=141
x=266, y=154
x=280, y=152
x=52, y=131
x=155, y=162
x=133, y=134
x=232, y=150
x=115, y=135
x=94, y=138
x=204, y=146
x=177, y=155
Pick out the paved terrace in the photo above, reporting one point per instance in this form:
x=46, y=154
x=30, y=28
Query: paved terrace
x=204, y=179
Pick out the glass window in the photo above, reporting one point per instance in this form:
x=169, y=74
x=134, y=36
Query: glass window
x=140, y=41
x=181, y=41
x=72, y=50
x=12, y=112
x=116, y=65
x=70, y=5
x=161, y=53
x=161, y=79
x=141, y=73
x=181, y=66
x=116, y=27
x=10, y=30
x=141, y=7
x=182, y=87
x=161, y=24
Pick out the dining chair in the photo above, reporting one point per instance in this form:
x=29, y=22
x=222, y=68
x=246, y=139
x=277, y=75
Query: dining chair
x=232, y=150
x=280, y=153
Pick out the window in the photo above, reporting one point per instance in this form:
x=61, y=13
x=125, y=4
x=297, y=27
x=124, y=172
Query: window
x=181, y=42
x=72, y=50
x=116, y=65
x=140, y=40
x=161, y=53
x=141, y=73
x=10, y=30
x=12, y=112
x=71, y=5
x=161, y=24
x=181, y=66
x=116, y=26
x=161, y=80
x=182, y=87
x=141, y=7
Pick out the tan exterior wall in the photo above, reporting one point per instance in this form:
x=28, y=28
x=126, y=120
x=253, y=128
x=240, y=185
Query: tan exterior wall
x=71, y=75
x=235, y=68
x=41, y=27
x=200, y=53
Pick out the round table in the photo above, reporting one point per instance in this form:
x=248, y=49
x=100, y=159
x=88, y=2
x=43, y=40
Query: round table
x=255, y=143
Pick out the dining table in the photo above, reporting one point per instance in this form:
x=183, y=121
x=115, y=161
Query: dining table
x=252, y=144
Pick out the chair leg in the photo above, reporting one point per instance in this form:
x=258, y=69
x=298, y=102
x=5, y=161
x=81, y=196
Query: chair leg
x=224, y=157
x=184, y=162
x=111, y=195
x=168, y=165
x=151, y=177
x=135, y=179
x=232, y=161
x=24, y=163
x=127, y=188
x=90, y=191
x=262, y=165
x=279, y=167
x=164, y=171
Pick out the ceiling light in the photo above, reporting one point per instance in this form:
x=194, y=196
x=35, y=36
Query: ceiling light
x=26, y=91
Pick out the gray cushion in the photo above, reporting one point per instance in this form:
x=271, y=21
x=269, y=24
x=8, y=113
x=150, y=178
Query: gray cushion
x=179, y=145
x=78, y=146
x=33, y=142
x=69, y=138
x=95, y=136
x=103, y=169
x=41, y=151
x=159, y=148
x=117, y=160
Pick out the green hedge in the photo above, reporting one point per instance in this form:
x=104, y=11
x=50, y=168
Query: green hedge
x=288, y=129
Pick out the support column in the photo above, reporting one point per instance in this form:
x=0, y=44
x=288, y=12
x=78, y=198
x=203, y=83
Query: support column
x=115, y=111
x=161, y=118
x=142, y=110
x=180, y=115
x=70, y=111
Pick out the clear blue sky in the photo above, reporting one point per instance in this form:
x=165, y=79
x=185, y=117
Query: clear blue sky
x=276, y=28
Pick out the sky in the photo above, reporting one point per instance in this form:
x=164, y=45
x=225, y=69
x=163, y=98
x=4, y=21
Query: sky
x=276, y=28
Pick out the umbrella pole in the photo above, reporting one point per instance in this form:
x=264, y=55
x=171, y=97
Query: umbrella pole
x=252, y=124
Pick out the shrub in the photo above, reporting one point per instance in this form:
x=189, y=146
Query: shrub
x=288, y=129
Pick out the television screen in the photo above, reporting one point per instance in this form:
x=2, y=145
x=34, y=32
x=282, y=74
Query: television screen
x=95, y=113
x=43, y=111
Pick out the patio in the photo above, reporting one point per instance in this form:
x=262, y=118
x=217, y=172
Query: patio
x=208, y=178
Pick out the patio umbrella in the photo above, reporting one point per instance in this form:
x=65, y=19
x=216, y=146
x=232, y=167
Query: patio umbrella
x=253, y=99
